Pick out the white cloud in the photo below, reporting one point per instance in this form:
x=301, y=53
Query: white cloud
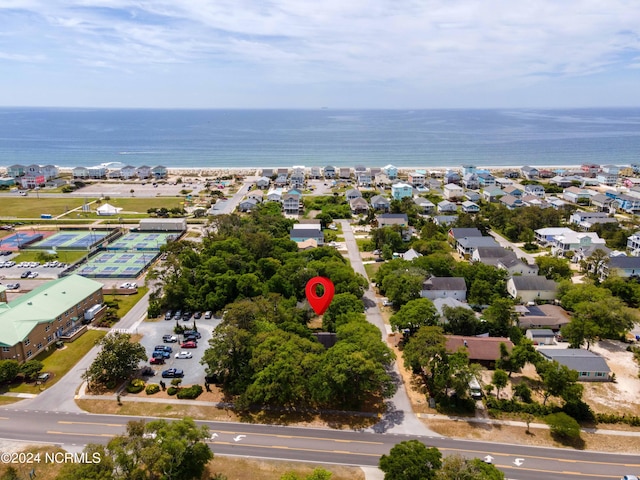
x=422, y=45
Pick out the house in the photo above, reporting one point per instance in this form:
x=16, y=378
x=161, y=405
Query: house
x=32, y=181
x=98, y=172
x=275, y=195
x=36, y=320
x=447, y=206
x=562, y=181
x=143, y=172
x=530, y=173
x=472, y=196
x=445, y=220
x=625, y=267
x=297, y=178
x=263, y=182
x=537, y=190
x=469, y=169
x=453, y=191
x=299, y=235
x=390, y=219
x=381, y=179
x=379, y=202
x=16, y=171
x=590, y=366
x=440, y=303
x=532, y=288
x=410, y=255
x=359, y=169
x=291, y=203
x=515, y=266
x=466, y=245
x=492, y=194
x=401, y=190
x=308, y=223
x=470, y=180
x=625, y=202
x=482, y=350
x=547, y=316
x=633, y=244
x=533, y=201
x=576, y=195
x=583, y=253
x=345, y=173
x=610, y=169
x=416, y=179
x=127, y=172
x=590, y=169
x=546, y=236
x=159, y=172
x=455, y=233
x=268, y=172
x=352, y=193
x=107, y=209
x=503, y=182
x=113, y=174
x=608, y=179
x=556, y=203
x=486, y=180
x=541, y=336
x=364, y=179
x=247, y=204
x=390, y=171
x=80, y=172
x=359, y=205
x=452, y=177
x=329, y=172
x=586, y=220
x=511, y=202
x=514, y=191
x=572, y=241
x=282, y=171
x=444, y=287
x=282, y=180
x=315, y=173
x=7, y=181
x=424, y=205
x=49, y=171
x=490, y=255
x=257, y=194
x=470, y=207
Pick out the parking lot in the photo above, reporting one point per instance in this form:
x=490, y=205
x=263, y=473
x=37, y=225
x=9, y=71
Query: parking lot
x=153, y=332
x=16, y=271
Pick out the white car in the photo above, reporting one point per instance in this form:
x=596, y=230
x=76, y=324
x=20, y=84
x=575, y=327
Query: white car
x=33, y=275
x=184, y=355
x=125, y=285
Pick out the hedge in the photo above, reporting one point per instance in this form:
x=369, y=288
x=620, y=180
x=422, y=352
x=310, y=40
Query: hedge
x=172, y=390
x=135, y=386
x=152, y=388
x=191, y=392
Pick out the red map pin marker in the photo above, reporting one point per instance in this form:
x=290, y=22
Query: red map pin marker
x=320, y=304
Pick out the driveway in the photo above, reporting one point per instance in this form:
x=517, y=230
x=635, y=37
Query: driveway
x=503, y=242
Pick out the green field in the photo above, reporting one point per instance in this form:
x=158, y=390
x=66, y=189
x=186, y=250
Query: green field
x=32, y=207
x=66, y=256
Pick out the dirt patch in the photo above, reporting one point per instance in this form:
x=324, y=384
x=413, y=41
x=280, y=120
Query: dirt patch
x=249, y=469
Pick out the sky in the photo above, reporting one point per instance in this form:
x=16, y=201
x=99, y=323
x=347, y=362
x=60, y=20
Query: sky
x=313, y=54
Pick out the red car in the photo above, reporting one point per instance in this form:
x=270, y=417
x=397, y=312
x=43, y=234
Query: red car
x=156, y=361
x=189, y=345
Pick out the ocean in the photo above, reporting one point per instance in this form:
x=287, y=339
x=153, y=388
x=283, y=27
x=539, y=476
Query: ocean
x=70, y=137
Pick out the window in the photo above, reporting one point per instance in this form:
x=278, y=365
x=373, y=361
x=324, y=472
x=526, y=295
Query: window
x=39, y=346
x=27, y=341
x=600, y=374
x=47, y=328
x=5, y=349
x=49, y=338
x=29, y=353
x=584, y=374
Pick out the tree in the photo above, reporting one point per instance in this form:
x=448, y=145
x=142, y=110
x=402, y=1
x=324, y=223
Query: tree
x=499, y=315
x=101, y=470
x=31, y=369
x=559, y=380
x=422, y=348
x=500, y=379
x=461, y=321
x=563, y=426
x=401, y=287
x=411, y=460
x=9, y=370
x=413, y=315
x=554, y=268
x=456, y=467
x=117, y=359
x=342, y=304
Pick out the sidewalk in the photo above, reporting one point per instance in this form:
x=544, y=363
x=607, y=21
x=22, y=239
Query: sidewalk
x=514, y=423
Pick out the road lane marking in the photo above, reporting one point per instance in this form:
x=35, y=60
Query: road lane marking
x=293, y=449
x=52, y=432
x=91, y=423
x=364, y=442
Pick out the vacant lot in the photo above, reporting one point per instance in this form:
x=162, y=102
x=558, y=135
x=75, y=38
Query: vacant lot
x=32, y=207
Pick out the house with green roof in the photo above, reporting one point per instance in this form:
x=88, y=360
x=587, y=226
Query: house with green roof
x=35, y=320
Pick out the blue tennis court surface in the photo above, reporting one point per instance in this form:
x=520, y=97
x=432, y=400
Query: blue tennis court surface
x=141, y=241
x=66, y=240
x=116, y=265
x=19, y=240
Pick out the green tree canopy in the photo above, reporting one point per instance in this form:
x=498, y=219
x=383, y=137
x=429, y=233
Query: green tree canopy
x=411, y=460
x=413, y=315
x=117, y=360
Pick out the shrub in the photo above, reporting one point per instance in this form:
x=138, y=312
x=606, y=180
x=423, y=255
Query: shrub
x=191, y=392
x=563, y=426
x=579, y=410
x=172, y=390
x=135, y=386
x=152, y=388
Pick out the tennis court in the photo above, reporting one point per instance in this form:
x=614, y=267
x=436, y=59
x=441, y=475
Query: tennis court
x=116, y=264
x=19, y=240
x=71, y=240
x=149, y=242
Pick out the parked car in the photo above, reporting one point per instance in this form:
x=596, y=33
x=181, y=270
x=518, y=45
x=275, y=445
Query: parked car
x=207, y=315
x=163, y=348
x=197, y=315
x=125, y=285
x=184, y=355
x=172, y=373
x=156, y=361
x=169, y=339
x=168, y=314
x=189, y=344
x=192, y=333
x=33, y=275
x=25, y=274
x=160, y=354
x=13, y=286
x=186, y=316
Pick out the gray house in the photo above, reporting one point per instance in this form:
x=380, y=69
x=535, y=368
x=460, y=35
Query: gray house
x=590, y=366
x=444, y=287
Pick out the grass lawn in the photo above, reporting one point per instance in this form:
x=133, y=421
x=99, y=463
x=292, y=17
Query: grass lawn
x=372, y=268
x=62, y=256
x=364, y=244
x=60, y=361
x=32, y=207
x=126, y=302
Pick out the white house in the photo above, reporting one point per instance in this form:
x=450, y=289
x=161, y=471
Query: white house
x=444, y=287
x=451, y=191
x=532, y=288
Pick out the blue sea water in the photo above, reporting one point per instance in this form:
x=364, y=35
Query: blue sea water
x=257, y=138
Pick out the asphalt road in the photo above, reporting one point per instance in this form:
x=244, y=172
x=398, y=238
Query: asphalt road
x=72, y=431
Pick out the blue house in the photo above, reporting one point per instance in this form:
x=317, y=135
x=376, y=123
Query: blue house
x=390, y=171
x=401, y=190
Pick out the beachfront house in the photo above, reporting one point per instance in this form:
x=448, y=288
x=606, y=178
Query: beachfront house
x=143, y=172
x=345, y=173
x=364, y=179
x=80, y=172
x=590, y=169
x=401, y=190
x=329, y=172
x=315, y=173
x=159, y=172
x=390, y=171
x=127, y=172
x=530, y=173
x=16, y=171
